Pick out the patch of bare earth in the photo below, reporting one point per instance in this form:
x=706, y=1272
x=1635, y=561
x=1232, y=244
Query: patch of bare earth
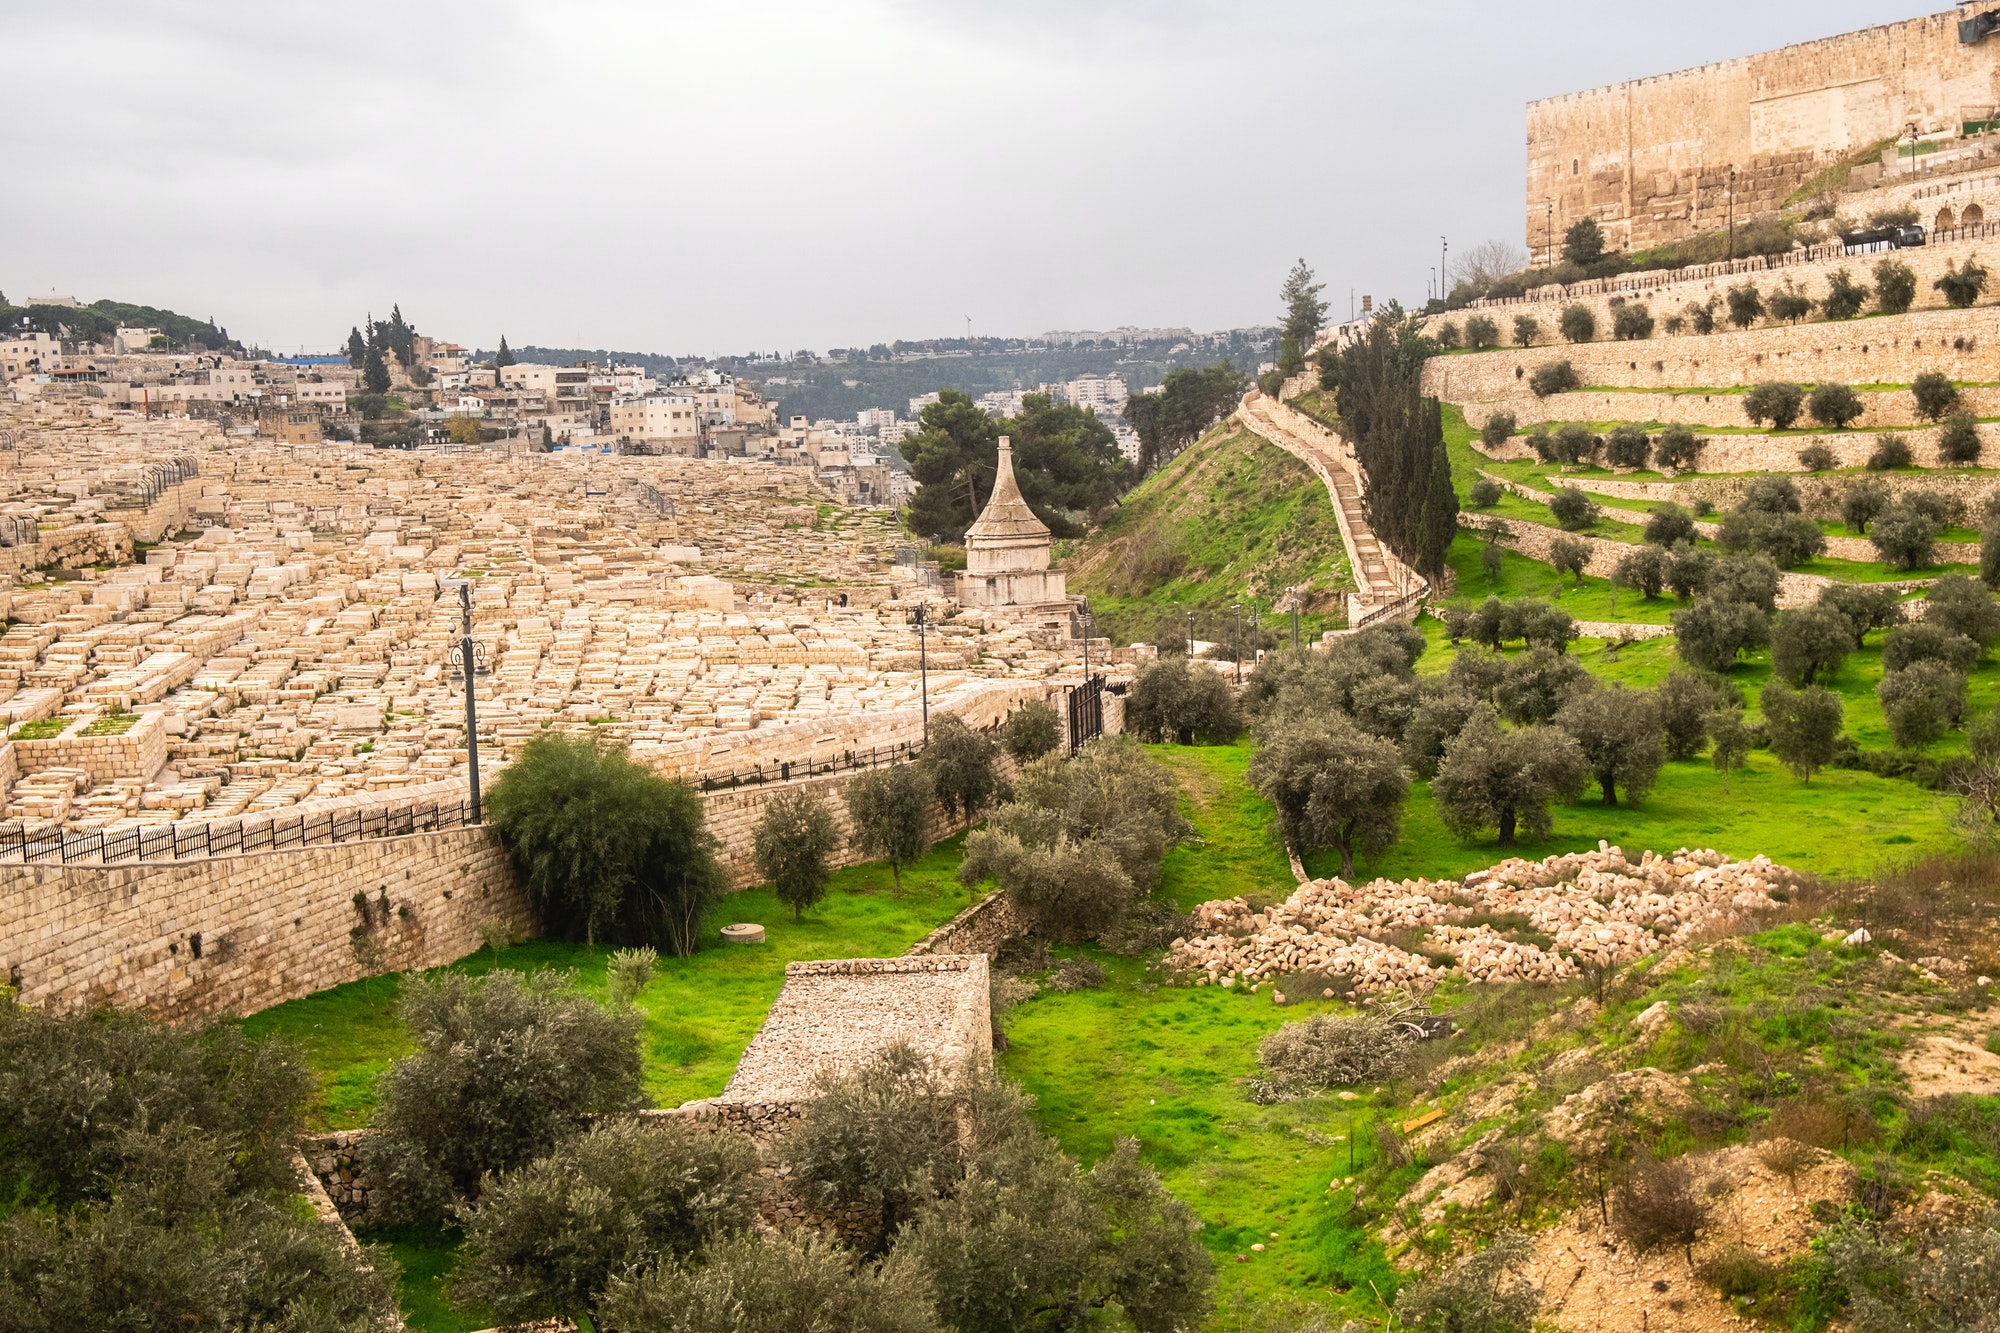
x=1951, y=1061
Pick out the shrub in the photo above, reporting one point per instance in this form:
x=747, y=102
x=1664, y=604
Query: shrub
x=1445, y=335
x=1810, y=644
x=1817, y=458
x=1543, y=441
x=546, y=1239
x=1925, y=641
x=1618, y=731
x=1895, y=287
x=1943, y=1282
x=505, y=1066
x=1553, y=377
x=1689, y=570
x=1775, y=402
x=962, y=765
x=1936, y=396
x=1922, y=702
x=1485, y=493
x=1488, y=1291
x=1527, y=330
x=1075, y=974
x=1771, y=495
x=1685, y=700
x=1790, y=304
x=1861, y=502
x=1575, y=443
x=628, y=973
x=1711, y=634
x=1499, y=428
x=607, y=846
x=1031, y=731
x=1481, y=332
x=1644, y=570
x=1750, y=579
x=1905, y=537
x=1675, y=449
x=1330, y=1051
x=1674, y=325
x=774, y=1284
x=1632, y=323
x=1844, y=296
x=1957, y=604
x=1958, y=441
x=888, y=810
x=1746, y=305
x=1834, y=405
x=1174, y=700
x=1333, y=785
x=1668, y=525
x=1627, y=446
x=1583, y=243
x=1803, y=725
x=1570, y=554
x=1891, y=452
x=794, y=842
x=1657, y=1205
x=1490, y=778
x=1578, y=324
x=1573, y=509
x=1962, y=284
x=1701, y=316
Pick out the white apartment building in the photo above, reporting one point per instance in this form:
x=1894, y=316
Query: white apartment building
x=129, y=340
x=670, y=421
x=917, y=405
x=29, y=354
x=874, y=418
x=1098, y=391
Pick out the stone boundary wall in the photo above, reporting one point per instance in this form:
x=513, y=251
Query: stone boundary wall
x=1963, y=344
x=1536, y=540
x=1780, y=453
x=1893, y=409
x=980, y=928
x=235, y=934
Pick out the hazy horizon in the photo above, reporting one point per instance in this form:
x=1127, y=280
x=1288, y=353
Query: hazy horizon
x=698, y=180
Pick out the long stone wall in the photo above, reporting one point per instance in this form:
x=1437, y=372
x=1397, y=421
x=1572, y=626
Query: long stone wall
x=1894, y=409
x=240, y=933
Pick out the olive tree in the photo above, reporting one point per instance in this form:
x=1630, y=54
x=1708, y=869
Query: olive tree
x=1676, y=449
x=793, y=844
x=1537, y=683
x=1922, y=702
x=1958, y=439
x=1645, y=570
x=1573, y=509
x=1834, y=405
x=1927, y=642
x=888, y=811
x=1498, y=429
x=1959, y=604
x=780, y=1283
x=1895, y=287
x=1891, y=452
x=1775, y=402
x=1803, y=725
x=1732, y=743
x=962, y=764
x=1333, y=786
x=1866, y=606
x=1175, y=700
x=1669, y=525
x=1936, y=397
x=1569, y=555
x=1861, y=502
x=1809, y=644
x=1619, y=732
x=1628, y=446
x=1495, y=777
x=1712, y=634
x=1578, y=324
x=1905, y=537
x=1686, y=699
x=1031, y=731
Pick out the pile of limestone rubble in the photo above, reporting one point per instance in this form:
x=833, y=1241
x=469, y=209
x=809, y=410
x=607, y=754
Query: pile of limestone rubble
x=1596, y=908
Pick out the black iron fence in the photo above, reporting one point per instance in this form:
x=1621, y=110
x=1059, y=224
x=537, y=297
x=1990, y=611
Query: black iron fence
x=1086, y=712
x=198, y=840
x=875, y=756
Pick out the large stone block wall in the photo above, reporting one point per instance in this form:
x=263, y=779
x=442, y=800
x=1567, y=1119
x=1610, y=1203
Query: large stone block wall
x=1650, y=158
x=237, y=934
x=1963, y=344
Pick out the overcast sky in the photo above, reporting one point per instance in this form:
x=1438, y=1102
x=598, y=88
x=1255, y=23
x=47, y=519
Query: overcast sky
x=765, y=174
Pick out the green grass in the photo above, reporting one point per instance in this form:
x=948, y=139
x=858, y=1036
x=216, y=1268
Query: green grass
x=700, y=1012
x=1522, y=577
x=424, y=1260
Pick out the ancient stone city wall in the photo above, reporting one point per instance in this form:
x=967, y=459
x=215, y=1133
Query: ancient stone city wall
x=1650, y=158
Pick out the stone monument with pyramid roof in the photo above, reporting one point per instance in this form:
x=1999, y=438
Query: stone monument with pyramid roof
x=1007, y=550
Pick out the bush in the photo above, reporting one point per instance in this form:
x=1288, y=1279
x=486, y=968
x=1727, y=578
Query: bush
x=1700, y=315
x=1583, y=243
x=608, y=847
x=1958, y=441
x=1944, y=1282
x=1925, y=641
x=1644, y=570
x=1957, y=604
x=1486, y=493
x=1527, y=330
x=1711, y=634
x=1627, y=446
x=1790, y=304
x=1499, y=428
x=505, y=1066
x=1570, y=554
x=1803, y=726
x=962, y=765
x=1656, y=1205
x=1553, y=377
x=1895, y=287
x=1962, y=284
x=1578, y=324
x=1905, y=537
x=1631, y=323
x=1817, y=458
x=1031, y=731
x=1936, y=396
x=794, y=842
x=1844, y=296
x=546, y=1239
x=1575, y=443
x=1750, y=579
x=888, y=810
x=1543, y=441
x=1771, y=494
x=1810, y=644
x=1175, y=701
x=1689, y=570
x=1489, y=777
x=1685, y=701
x=1891, y=452
x=1488, y=1291
x=1669, y=525
x=1573, y=509
x=1834, y=405
x=1746, y=305
x=1330, y=1051
x=1333, y=785
x=1788, y=539
x=1675, y=449
x=628, y=973
x=1075, y=974
x=1481, y=332
x=1775, y=402
x=1445, y=335
x=1861, y=502
x=774, y=1284
x=1922, y=702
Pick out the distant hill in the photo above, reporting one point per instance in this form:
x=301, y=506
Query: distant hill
x=97, y=321
x=1231, y=519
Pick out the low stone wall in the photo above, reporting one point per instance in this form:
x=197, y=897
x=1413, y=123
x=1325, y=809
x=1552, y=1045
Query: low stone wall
x=236, y=934
x=981, y=928
x=1891, y=408
x=1537, y=541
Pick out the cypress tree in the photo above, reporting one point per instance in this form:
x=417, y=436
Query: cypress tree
x=503, y=357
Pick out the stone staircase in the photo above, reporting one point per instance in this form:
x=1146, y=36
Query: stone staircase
x=1385, y=587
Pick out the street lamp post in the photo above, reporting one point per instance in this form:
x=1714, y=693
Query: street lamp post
x=1083, y=615
x=1238, y=609
x=918, y=619
x=1444, y=278
x=1190, y=634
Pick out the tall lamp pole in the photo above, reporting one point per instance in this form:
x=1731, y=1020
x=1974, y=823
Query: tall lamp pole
x=1444, y=281
x=1083, y=614
x=1238, y=609
x=918, y=619
x=468, y=654
x=1190, y=636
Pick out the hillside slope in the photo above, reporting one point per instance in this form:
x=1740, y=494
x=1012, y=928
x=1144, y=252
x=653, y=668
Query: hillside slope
x=1231, y=519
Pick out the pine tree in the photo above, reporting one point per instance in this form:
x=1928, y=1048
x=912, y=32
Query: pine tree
x=503, y=357
x=357, y=349
x=1304, y=310
x=375, y=369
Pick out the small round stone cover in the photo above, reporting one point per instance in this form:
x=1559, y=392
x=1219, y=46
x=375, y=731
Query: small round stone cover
x=744, y=932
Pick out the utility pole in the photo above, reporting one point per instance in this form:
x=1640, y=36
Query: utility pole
x=1083, y=614
x=1238, y=609
x=468, y=656
x=918, y=619
x=1190, y=641
x=1444, y=277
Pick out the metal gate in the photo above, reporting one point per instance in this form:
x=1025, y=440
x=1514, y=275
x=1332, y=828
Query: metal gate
x=1086, y=712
